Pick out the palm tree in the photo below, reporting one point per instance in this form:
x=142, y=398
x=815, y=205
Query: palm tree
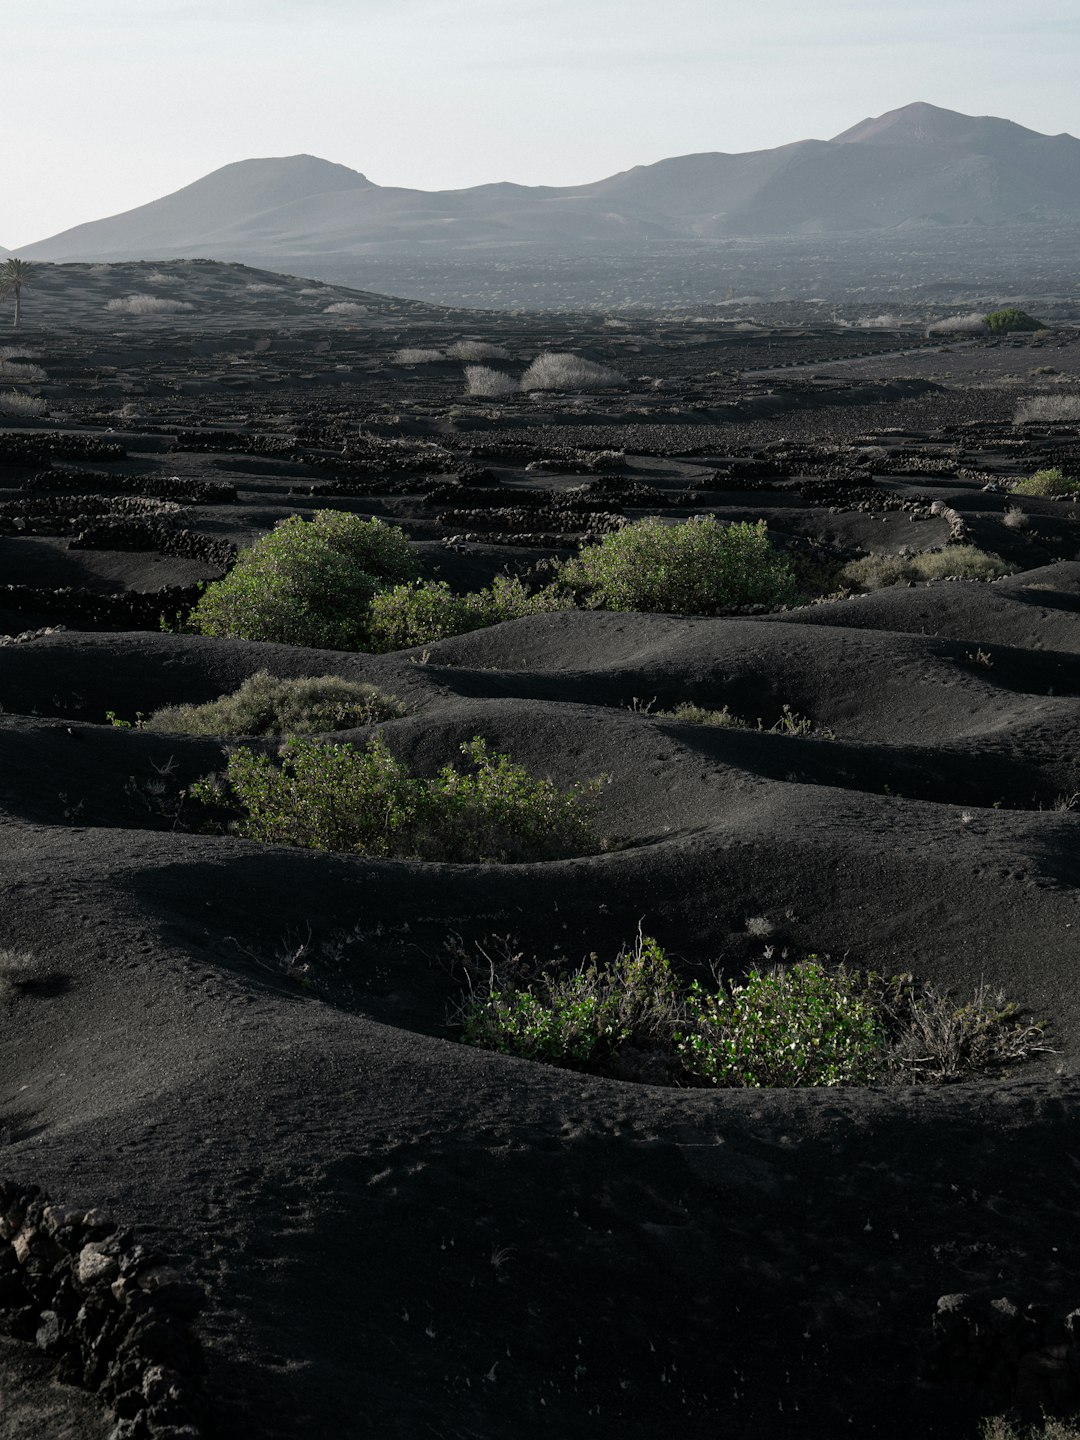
x=14, y=274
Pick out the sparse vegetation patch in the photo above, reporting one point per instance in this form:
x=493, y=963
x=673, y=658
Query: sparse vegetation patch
x=807, y=1023
x=266, y=705
x=336, y=797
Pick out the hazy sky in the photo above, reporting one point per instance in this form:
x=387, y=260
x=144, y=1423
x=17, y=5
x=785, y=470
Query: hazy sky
x=110, y=103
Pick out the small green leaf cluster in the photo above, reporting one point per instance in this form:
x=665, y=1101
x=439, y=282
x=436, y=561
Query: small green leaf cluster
x=804, y=1025
x=266, y=705
x=307, y=582
x=335, y=797
x=693, y=567
x=1000, y=322
x=423, y=612
x=1050, y=484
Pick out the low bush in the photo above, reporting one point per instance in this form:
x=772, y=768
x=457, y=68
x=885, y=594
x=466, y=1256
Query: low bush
x=334, y=797
x=959, y=562
x=476, y=350
x=307, y=582
x=265, y=705
x=1002, y=322
x=148, y=305
x=959, y=325
x=19, y=372
x=423, y=612
x=581, y=1018
x=804, y=1024
x=557, y=371
x=14, y=402
x=694, y=567
x=483, y=380
x=1049, y=484
x=1048, y=409
x=931, y=1037
x=416, y=357
x=1015, y=518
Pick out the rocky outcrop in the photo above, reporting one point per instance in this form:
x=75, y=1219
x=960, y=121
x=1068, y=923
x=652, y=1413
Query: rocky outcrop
x=113, y=1315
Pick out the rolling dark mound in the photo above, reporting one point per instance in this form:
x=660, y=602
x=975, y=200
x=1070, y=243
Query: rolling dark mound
x=247, y=1054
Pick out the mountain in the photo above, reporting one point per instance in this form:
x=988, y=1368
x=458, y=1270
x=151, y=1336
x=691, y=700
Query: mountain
x=919, y=165
x=240, y=194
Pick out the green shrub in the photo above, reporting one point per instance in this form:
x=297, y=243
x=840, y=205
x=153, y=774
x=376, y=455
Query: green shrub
x=335, y=797
x=695, y=567
x=1000, y=322
x=1051, y=484
x=308, y=582
x=801, y=1026
x=581, y=1018
x=265, y=705
x=806, y=1024
x=423, y=612
x=964, y=562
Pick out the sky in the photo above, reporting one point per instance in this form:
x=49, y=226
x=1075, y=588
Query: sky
x=108, y=104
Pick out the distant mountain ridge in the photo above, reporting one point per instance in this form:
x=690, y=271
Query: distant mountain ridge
x=916, y=166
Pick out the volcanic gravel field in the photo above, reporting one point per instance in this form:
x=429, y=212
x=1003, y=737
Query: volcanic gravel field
x=243, y=1052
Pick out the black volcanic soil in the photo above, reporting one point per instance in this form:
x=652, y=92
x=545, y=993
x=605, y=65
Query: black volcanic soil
x=401, y=1235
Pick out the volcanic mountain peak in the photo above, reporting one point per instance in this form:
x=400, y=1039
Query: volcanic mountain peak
x=924, y=124
x=893, y=170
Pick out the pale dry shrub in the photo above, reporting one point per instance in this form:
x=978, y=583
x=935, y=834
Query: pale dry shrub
x=416, y=357
x=997, y=1427
x=1051, y=409
x=147, y=305
x=15, y=403
x=934, y=1037
x=483, y=380
x=476, y=350
x=558, y=371
x=21, y=373
x=956, y=562
x=959, y=325
x=16, y=967
x=1015, y=518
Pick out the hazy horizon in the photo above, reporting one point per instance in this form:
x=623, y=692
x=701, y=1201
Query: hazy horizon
x=111, y=106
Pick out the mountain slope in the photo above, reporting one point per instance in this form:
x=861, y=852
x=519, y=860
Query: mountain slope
x=916, y=165
x=240, y=192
